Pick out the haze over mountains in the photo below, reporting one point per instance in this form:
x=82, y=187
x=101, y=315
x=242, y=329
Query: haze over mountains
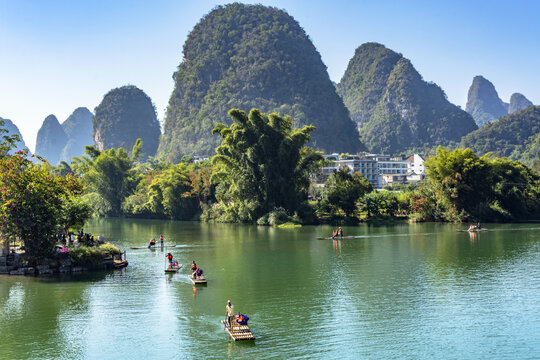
x=484, y=104
x=60, y=142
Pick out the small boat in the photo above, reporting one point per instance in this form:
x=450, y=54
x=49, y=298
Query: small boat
x=473, y=230
x=173, y=269
x=336, y=238
x=199, y=280
x=153, y=247
x=238, y=332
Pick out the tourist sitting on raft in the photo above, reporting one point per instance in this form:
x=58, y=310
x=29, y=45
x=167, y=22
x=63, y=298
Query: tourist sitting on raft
x=242, y=319
x=152, y=243
x=472, y=227
x=197, y=273
x=338, y=232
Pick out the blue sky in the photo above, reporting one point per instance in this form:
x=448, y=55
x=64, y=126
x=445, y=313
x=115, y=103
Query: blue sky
x=58, y=55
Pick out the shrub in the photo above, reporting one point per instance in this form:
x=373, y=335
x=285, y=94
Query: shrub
x=84, y=256
x=113, y=250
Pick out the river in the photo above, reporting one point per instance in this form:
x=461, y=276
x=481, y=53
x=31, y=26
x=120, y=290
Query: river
x=408, y=291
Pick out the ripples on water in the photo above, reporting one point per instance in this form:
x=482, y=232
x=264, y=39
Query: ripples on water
x=413, y=291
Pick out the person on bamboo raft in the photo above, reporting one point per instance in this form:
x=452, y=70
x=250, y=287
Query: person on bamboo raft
x=193, y=266
x=169, y=257
x=229, y=312
x=152, y=242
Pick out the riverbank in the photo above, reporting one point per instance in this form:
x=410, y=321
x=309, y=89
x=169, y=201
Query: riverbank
x=73, y=260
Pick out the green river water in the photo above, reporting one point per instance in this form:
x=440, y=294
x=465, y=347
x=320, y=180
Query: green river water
x=419, y=291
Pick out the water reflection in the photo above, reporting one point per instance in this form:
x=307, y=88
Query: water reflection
x=369, y=297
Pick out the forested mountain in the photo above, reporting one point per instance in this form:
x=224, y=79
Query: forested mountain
x=13, y=130
x=125, y=114
x=251, y=56
x=515, y=136
x=51, y=140
x=78, y=129
x=518, y=102
x=395, y=109
x=483, y=102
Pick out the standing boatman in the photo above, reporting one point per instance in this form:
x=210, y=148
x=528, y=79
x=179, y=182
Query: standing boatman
x=161, y=240
x=169, y=257
x=229, y=312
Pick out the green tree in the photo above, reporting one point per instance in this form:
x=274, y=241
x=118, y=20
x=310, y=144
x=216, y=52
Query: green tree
x=345, y=189
x=110, y=175
x=32, y=201
x=170, y=193
x=463, y=178
x=7, y=142
x=74, y=214
x=261, y=164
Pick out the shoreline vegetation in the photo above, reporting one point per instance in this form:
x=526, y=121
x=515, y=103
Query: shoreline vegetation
x=263, y=173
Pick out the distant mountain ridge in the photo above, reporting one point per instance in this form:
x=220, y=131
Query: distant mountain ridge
x=51, y=140
x=251, y=56
x=395, y=109
x=60, y=142
x=78, y=129
x=484, y=104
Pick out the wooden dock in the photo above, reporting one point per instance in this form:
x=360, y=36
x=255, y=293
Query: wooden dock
x=199, y=280
x=238, y=332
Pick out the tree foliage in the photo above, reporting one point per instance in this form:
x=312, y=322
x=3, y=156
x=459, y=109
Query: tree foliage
x=32, y=202
x=110, y=177
x=513, y=136
x=345, y=189
x=481, y=188
x=262, y=164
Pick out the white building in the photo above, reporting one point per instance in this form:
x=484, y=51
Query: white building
x=371, y=166
x=415, y=164
x=416, y=171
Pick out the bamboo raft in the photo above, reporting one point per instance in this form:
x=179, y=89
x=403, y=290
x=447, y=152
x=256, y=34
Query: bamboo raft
x=473, y=230
x=238, y=332
x=173, y=269
x=200, y=280
x=337, y=238
x=118, y=264
x=153, y=247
